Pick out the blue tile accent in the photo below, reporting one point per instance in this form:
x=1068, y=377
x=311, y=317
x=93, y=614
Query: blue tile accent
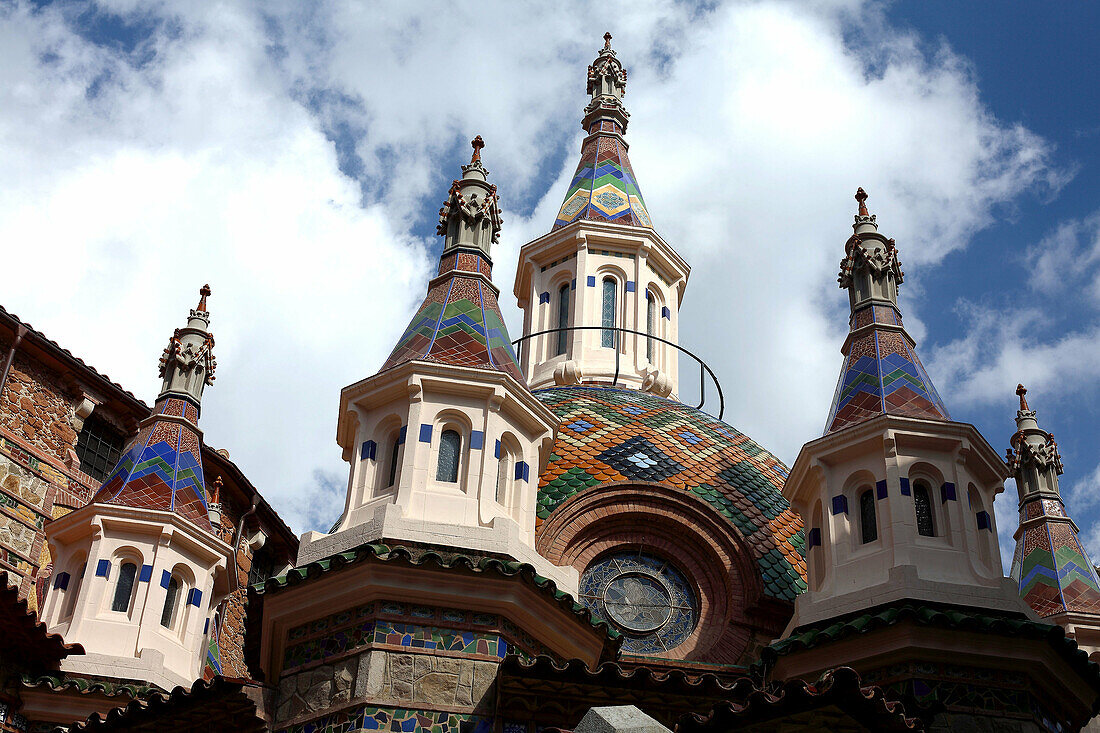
x=367, y=451
x=947, y=492
x=983, y=521
x=665, y=312
x=905, y=487
x=880, y=490
x=573, y=284
x=840, y=504
x=815, y=537
x=61, y=580
x=497, y=453
x=194, y=597
x=103, y=569
x=402, y=434
x=425, y=433
x=544, y=298
x=630, y=287
x=146, y=573
x=206, y=627
x=591, y=281
x=165, y=578
x=648, y=295
x=523, y=471
x=477, y=440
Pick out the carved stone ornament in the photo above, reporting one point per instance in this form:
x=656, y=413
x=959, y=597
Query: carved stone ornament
x=878, y=261
x=471, y=210
x=187, y=358
x=1043, y=456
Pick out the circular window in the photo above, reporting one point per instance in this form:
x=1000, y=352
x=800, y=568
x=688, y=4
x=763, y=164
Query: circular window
x=645, y=598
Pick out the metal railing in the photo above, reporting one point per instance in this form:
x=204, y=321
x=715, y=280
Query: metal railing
x=704, y=369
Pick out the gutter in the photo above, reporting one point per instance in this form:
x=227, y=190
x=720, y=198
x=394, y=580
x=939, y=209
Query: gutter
x=20, y=332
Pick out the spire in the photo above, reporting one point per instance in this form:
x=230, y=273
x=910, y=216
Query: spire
x=882, y=373
x=604, y=187
x=1050, y=564
x=162, y=467
x=460, y=322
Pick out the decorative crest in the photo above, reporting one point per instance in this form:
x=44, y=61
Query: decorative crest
x=477, y=144
x=607, y=41
x=204, y=291
x=861, y=197
x=1021, y=390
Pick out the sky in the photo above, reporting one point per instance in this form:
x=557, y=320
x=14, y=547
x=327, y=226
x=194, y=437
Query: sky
x=295, y=156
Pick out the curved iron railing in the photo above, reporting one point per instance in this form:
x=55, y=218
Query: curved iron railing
x=704, y=369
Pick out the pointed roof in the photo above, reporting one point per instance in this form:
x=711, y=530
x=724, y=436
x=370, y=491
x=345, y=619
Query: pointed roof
x=1052, y=567
x=459, y=321
x=882, y=373
x=162, y=467
x=604, y=187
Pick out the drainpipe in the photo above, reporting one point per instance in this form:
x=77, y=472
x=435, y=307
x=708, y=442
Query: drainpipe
x=20, y=332
x=235, y=577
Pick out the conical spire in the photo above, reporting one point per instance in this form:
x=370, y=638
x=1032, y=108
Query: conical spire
x=604, y=187
x=162, y=467
x=460, y=322
x=1050, y=564
x=882, y=373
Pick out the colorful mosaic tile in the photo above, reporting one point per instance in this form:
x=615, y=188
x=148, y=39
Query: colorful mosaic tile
x=642, y=437
x=161, y=469
x=1053, y=569
x=394, y=719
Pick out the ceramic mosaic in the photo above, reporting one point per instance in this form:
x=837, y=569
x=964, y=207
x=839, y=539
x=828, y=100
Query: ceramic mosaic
x=390, y=719
x=624, y=435
x=161, y=469
x=882, y=374
x=1053, y=569
x=603, y=187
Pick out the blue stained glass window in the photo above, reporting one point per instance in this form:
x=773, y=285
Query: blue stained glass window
x=450, y=446
x=563, y=317
x=124, y=587
x=607, y=338
x=650, y=326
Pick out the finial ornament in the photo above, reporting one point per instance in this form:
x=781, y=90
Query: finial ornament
x=607, y=41
x=477, y=144
x=1022, y=390
x=861, y=197
x=204, y=291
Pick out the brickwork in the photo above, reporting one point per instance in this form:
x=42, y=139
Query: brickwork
x=34, y=406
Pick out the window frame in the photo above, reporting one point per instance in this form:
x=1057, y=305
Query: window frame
x=123, y=563
x=449, y=429
x=97, y=453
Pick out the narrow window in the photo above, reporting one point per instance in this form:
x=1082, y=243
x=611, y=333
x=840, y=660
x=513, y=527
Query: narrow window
x=608, y=339
x=923, y=505
x=563, y=317
x=450, y=444
x=124, y=587
x=867, y=521
x=504, y=475
x=72, y=592
x=392, y=478
x=170, y=602
x=650, y=324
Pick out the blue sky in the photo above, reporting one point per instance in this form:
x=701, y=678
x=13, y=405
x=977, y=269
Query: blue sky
x=296, y=156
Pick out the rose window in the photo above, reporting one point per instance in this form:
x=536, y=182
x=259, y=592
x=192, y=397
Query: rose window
x=646, y=599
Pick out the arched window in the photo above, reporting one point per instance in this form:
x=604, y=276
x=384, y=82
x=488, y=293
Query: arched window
x=505, y=470
x=607, y=311
x=167, y=615
x=124, y=587
x=650, y=323
x=73, y=591
x=563, y=317
x=922, y=503
x=868, y=523
x=450, y=447
x=391, y=479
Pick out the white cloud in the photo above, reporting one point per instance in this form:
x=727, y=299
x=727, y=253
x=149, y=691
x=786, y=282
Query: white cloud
x=207, y=155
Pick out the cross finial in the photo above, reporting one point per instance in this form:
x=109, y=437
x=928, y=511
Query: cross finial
x=216, y=494
x=607, y=41
x=1022, y=390
x=203, y=292
x=861, y=197
x=477, y=144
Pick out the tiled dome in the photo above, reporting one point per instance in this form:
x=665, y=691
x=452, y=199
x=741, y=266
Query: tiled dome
x=609, y=434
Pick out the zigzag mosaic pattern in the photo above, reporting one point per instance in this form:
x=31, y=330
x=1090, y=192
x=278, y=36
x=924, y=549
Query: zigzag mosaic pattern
x=162, y=469
x=611, y=434
x=1055, y=573
x=882, y=374
x=459, y=323
x=604, y=187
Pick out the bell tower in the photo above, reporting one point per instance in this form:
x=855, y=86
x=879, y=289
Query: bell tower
x=603, y=267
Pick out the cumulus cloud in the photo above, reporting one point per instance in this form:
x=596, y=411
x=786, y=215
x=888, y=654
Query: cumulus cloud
x=295, y=155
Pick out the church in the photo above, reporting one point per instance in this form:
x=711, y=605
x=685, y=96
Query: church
x=538, y=535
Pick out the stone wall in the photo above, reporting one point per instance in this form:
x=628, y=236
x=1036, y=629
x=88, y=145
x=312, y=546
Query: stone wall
x=34, y=406
x=27, y=490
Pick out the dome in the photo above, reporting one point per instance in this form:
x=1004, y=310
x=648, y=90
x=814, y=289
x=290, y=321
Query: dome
x=611, y=435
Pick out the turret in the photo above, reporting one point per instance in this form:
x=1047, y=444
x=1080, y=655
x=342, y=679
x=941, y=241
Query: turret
x=139, y=570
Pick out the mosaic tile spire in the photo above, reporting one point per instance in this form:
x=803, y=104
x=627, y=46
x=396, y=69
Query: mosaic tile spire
x=1050, y=564
x=882, y=373
x=460, y=322
x=604, y=187
x=162, y=467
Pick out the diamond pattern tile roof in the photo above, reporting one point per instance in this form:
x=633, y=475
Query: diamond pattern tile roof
x=604, y=187
x=638, y=436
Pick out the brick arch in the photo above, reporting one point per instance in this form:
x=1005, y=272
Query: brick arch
x=685, y=530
